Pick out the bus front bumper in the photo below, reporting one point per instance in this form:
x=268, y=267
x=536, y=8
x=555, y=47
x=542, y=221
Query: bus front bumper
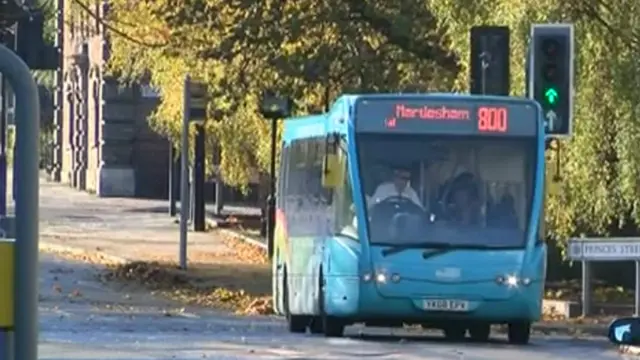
x=361, y=302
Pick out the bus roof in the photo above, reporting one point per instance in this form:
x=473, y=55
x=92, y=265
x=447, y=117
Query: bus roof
x=353, y=97
x=316, y=125
x=304, y=126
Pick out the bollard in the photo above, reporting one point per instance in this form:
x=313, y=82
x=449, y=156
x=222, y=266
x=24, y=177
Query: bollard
x=27, y=188
x=7, y=256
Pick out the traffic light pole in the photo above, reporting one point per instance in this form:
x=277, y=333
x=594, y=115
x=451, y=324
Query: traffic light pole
x=184, y=176
x=198, y=180
x=271, y=201
x=27, y=119
x=174, y=176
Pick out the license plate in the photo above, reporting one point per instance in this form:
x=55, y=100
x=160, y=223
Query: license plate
x=445, y=305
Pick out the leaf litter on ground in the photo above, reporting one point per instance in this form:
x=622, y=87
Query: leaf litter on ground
x=238, y=280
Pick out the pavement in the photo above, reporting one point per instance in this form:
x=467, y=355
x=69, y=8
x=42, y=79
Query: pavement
x=85, y=318
x=120, y=228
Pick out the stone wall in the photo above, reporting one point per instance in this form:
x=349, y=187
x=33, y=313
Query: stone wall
x=107, y=146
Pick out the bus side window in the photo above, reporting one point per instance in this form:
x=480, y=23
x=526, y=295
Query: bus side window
x=283, y=175
x=542, y=230
x=292, y=187
x=322, y=194
x=345, y=215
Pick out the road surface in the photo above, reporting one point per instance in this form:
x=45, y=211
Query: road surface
x=83, y=318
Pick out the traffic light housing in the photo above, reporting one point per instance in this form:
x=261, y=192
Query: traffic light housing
x=551, y=75
x=489, y=65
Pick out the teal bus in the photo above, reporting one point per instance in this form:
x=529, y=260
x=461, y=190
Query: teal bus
x=426, y=209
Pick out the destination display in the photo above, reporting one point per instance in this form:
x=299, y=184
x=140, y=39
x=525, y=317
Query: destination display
x=446, y=116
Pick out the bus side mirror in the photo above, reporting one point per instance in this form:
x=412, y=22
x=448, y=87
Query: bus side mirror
x=331, y=171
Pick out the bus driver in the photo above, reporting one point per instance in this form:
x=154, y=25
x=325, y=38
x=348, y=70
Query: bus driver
x=398, y=186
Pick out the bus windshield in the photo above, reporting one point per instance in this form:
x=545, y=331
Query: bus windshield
x=446, y=189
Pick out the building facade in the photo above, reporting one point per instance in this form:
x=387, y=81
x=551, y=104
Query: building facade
x=102, y=142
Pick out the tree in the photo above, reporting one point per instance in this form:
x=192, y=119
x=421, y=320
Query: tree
x=600, y=179
x=310, y=50
x=314, y=50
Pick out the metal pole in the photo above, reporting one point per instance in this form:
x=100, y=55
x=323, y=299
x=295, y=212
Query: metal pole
x=586, y=288
x=184, y=179
x=219, y=184
x=174, y=174
x=192, y=196
x=219, y=194
x=271, y=202
x=198, y=179
x=637, y=308
x=27, y=119
x=3, y=147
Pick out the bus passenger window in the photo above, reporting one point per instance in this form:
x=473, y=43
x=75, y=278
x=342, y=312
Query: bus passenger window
x=346, y=221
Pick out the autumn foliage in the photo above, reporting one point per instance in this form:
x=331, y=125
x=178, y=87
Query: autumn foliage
x=315, y=50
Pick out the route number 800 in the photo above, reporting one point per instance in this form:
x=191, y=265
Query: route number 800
x=492, y=119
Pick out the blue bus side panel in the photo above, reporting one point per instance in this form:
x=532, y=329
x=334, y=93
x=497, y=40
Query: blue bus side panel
x=299, y=250
x=341, y=276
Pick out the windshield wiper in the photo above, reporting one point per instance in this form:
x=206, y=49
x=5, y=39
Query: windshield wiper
x=394, y=249
x=436, y=247
x=428, y=255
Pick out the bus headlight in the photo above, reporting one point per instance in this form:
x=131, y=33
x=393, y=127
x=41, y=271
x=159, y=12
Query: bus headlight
x=381, y=278
x=512, y=281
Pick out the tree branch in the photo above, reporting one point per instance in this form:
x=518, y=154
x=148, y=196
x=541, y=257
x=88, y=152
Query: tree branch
x=441, y=56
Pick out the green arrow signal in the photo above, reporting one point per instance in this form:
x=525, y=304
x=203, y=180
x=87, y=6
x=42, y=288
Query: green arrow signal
x=551, y=95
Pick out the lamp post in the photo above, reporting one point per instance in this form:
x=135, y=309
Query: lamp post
x=273, y=108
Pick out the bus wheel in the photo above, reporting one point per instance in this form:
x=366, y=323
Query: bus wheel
x=331, y=326
x=519, y=333
x=316, y=325
x=455, y=333
x=480, y=332
x=296, y=323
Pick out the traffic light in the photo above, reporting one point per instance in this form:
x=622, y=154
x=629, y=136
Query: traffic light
x=489, y=70
x=551, y=75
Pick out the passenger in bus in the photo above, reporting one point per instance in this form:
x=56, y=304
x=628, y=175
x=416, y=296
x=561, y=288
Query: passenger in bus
x=398, y=186
x=464, y=200
x=504, y=215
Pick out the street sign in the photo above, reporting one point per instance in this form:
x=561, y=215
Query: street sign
x=604, y=249
x=198, y=99
x=587, y=250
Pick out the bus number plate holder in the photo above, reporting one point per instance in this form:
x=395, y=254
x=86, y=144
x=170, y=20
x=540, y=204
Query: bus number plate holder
x=445, y=305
